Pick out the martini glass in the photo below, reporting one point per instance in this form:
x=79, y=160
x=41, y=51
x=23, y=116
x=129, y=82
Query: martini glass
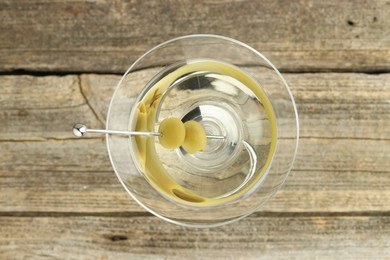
x=234, y=93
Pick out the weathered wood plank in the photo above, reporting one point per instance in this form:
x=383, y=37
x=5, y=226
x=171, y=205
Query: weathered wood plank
x=106, y=36
x=256, y=237
x=330, y=175
x=342, y=105
x=330, y=105
x=42, y=107
x=91, y=155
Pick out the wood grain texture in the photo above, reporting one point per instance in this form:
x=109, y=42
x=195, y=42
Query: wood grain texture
x=144, y=237
x=59, y=196
x=107, y=36
x=342, y=164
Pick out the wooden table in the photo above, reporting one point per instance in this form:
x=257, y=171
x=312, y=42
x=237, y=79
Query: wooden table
x=60, y=62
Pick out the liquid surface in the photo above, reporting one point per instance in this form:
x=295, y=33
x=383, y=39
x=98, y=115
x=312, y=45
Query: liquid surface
x=224, y=101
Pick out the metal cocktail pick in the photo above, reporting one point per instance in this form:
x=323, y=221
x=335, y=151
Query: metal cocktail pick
x=80, y=130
